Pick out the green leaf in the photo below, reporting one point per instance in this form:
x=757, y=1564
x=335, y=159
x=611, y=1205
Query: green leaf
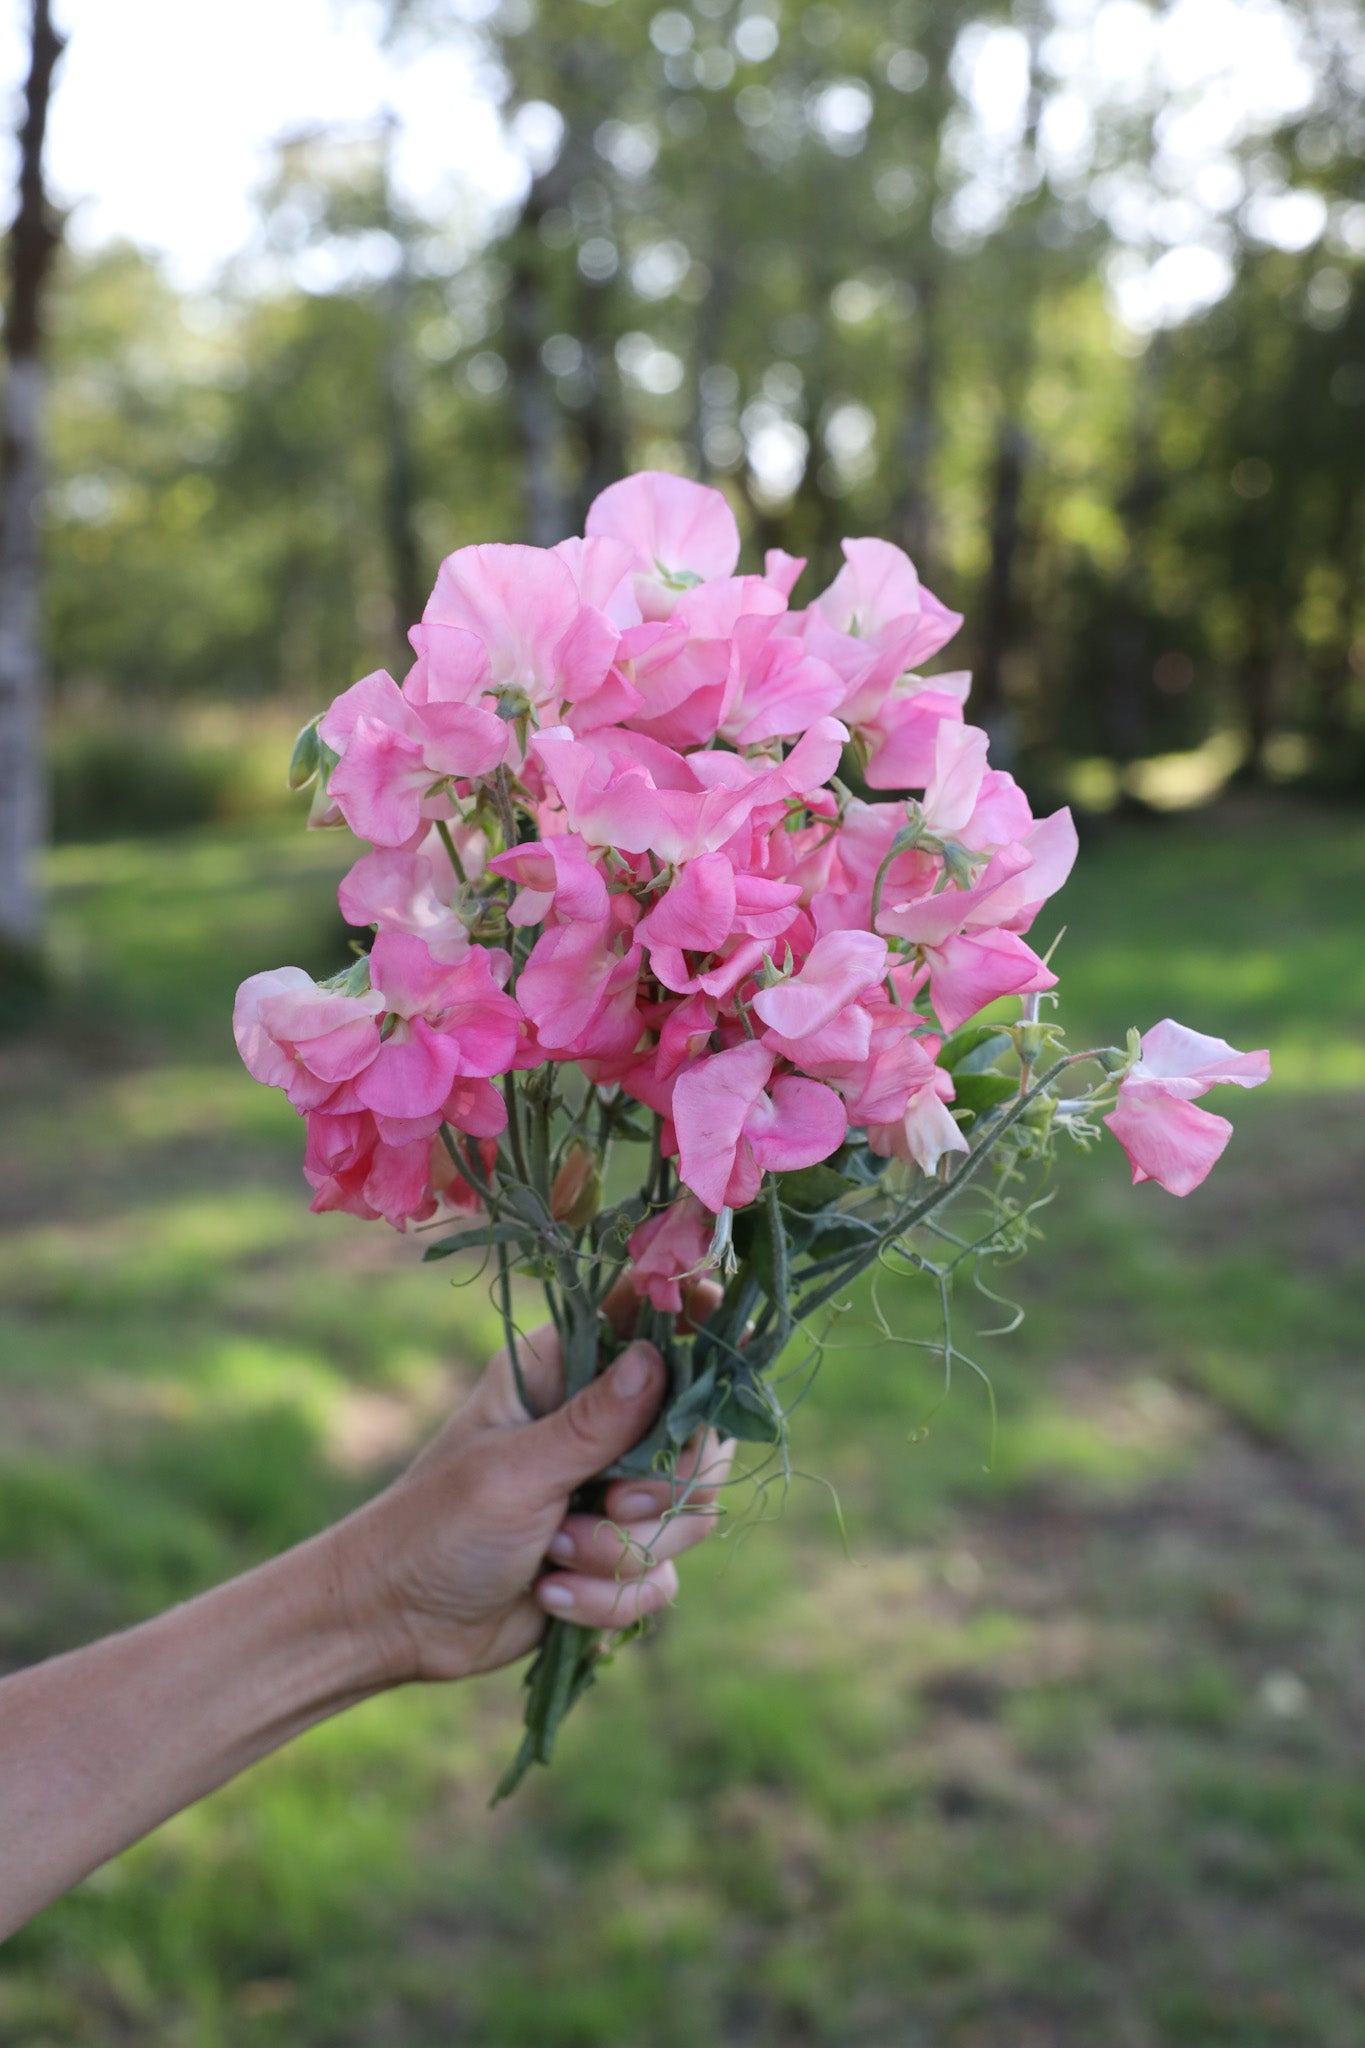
x=484, y=1236
x=812, y=1188
x=747, y=1415
x=840, y=1233
x=982, y=1092
x=973, y=1049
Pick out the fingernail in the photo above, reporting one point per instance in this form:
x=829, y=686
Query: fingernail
x=637, y=1507
x=556, y=1596
x=630, y=1374
x=561, y=1546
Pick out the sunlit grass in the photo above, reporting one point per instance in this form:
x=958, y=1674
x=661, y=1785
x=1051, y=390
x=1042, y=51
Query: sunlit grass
x=994, y=1745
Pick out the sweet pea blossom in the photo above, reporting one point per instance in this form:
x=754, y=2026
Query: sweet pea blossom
x=733, y=1126
x=392, y=751
x=667, y=1249
x=680, y=532
x=1166, y=1138
x=606, y=830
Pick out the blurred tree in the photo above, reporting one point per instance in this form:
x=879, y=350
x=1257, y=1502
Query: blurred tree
x=33, y=237
x=856, y=264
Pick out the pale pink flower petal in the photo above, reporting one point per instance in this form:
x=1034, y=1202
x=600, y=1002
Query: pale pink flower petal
x=603, y=568
x=376, y=697
x=1167, y=1139
x=969, y=971
x=408, y=891
x=412, y=1072
x=380, y=783
x=519, y=602
x=680, y=531
x=782, y=570
x=959, y=766
x=903, y=737
x=1188, y=1063
x=452, y=666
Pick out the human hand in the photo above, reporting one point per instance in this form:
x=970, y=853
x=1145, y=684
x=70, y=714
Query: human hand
x=444, y=1574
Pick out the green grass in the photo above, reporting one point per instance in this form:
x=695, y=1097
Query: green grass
x=1060, y=1752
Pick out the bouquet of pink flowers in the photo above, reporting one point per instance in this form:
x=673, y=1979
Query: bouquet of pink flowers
x=657, y=860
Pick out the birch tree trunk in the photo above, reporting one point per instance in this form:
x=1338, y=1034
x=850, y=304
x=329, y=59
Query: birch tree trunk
x=33, y=238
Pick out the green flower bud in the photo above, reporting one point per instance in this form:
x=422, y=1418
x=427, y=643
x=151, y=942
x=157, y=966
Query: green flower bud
x=306, y=758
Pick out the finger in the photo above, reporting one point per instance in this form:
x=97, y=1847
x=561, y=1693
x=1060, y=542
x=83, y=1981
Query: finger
x=600, y=1424
x=605, y=1603
x=622, y=1305
x=702, y=1469
x=497, y=1398
x=608, y=1550
x=700, y=1302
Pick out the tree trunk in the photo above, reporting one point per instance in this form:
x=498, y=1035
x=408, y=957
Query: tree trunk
x=538, y=415
x=33, y=237
x=998, y=616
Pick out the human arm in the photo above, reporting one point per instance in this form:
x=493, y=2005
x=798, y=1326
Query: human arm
x=439, y=1577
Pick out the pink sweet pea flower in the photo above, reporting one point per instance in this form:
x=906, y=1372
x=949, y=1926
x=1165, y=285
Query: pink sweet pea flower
x=625, y=790
x=556, y=876
x=668, y=1249
x=975, y=968
x=903, y=733
x=782, y=570
x=307, y=1040
x=877, y=599
x=924, y=1131
x=523, y=605
x=840, y=967
x=681, y=533
x=782, y=687
x=414, y=890
x=453, y=1022
x=730, y=1131
x=579, y=993
x=1166, y=1138
x=392, y=751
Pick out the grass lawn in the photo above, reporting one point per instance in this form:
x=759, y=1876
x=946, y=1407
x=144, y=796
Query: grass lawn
x=1065, y=1753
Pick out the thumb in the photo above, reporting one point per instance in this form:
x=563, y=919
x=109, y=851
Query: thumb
x=598, y=1425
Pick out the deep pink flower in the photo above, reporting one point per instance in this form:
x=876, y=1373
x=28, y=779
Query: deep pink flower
x=1166, y=1138
x=668, y=1248
x=730, y=1131
x=453, y=1022
x=556, y=876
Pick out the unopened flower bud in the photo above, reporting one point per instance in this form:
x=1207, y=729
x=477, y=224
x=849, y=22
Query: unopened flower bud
x=576, y=1195
x=306, y=758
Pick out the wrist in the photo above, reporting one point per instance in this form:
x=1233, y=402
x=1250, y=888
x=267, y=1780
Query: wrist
x=363, y=1603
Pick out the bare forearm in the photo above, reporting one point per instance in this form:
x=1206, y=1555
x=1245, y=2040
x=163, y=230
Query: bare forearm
x=100, y=1746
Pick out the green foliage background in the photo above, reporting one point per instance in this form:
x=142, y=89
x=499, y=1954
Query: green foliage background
x=1061, y=1753
x=781, y=249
